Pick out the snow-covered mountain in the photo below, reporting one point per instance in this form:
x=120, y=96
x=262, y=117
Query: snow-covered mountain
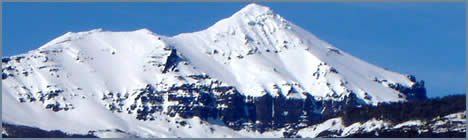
x=249, y=73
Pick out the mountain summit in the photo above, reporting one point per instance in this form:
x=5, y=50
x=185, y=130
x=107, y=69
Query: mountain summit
x=258, y=48
x=254, y=9
x=252, y=70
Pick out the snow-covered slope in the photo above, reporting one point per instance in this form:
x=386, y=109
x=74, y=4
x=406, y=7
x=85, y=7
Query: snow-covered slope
x=114, y=76
x=257, y=49
x=334, y=127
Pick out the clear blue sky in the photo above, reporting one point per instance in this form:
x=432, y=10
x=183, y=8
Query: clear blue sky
x=426, y=39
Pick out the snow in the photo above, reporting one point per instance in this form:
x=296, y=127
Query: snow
x=292, y=63
x=336, y=125
x=457, y=120
x=409, y=123
x=90, y=116
x=456, y=116
x=254, y=50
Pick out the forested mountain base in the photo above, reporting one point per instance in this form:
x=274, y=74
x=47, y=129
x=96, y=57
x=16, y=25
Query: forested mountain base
x=407, y=134
x=424, y=110
x=17, y=131
x=405, y=111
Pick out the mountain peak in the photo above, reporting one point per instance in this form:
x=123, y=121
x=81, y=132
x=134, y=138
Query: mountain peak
x=254, y=6
x=254, y=9
x=69, y=36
